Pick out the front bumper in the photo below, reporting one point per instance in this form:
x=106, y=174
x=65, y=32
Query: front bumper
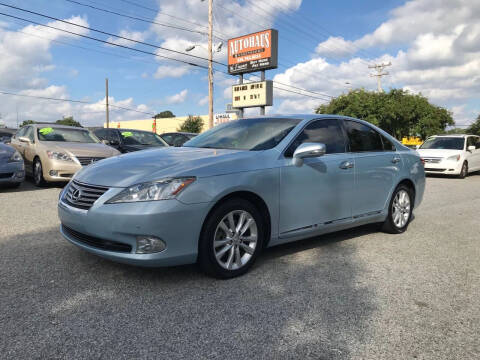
x=177, y=224
x=446, y=167
x=64, y=170
x=12, y=173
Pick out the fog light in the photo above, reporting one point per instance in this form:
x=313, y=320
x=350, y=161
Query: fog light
x=20, y=174
x=149, y=244
x=53, y=172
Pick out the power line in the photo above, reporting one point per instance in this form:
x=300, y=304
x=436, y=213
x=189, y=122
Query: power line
x=107, y=33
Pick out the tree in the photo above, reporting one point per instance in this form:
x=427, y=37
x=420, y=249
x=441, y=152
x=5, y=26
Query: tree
x=164, y=114
x=193, y=124
x=397, y=112
x=475, y=127
x=27, y=122
x=68, y=121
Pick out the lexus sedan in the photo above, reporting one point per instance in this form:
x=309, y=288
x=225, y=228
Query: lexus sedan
x=239, y=188
x=55, y=152
x=12, y=169
x=177, y=138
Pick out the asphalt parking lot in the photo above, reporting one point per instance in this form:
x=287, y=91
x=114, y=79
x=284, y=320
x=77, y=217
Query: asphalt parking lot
x=358, y=294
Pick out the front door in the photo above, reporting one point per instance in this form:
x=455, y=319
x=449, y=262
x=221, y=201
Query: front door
x=318, y=192
x=474, y=155
x=377, y=168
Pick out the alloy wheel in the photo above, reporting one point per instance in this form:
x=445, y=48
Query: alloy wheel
x=401, y=209
x=235, y=239
x=37, y=172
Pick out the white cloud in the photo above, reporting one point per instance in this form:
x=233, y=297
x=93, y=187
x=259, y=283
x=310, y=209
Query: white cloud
x=178, y=98
x=174, y=71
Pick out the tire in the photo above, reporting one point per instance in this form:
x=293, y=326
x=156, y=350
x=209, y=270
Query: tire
x=400, y=206
x=38, y=173
x=464, y=172
x=223, y=253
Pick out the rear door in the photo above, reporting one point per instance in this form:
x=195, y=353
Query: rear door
x=474, y=158
x=377, y=168
x=318, y=192
x=30, y=149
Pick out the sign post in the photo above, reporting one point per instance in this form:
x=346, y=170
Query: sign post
x=252, y=53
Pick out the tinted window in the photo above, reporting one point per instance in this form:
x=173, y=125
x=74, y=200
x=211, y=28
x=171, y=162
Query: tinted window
x=387, y=144
x=66, y=135
x=101, y=134
x=477, y=143
x=362, y=137
x=246, y=134
x=168, y=138
x=327, y=132
x=471, y=141
x=134, y=137
x=450, y=143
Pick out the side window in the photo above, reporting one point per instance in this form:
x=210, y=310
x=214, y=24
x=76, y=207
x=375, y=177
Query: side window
x=326, y=131
x=471, y=141
x=387, y=144
x=20, y=132
x=362, y=137
x=29, y=134
x=168, y=139
x=113, y=136
x=477, y=142
x=100, y=133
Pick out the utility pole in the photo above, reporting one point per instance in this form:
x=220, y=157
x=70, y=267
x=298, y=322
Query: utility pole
x=210, y=64
x=106, y=103
x=379, y=69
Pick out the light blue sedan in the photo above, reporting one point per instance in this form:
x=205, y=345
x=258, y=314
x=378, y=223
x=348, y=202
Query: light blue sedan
x=12, y=168
x=239, y=188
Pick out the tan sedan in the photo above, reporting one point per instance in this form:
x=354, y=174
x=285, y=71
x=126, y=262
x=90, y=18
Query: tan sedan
x=54, y=152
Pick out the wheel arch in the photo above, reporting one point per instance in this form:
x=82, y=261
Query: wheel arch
x=253, y=198
x=410, y=184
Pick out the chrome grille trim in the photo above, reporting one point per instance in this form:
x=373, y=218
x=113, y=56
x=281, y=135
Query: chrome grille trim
x=432, y=160
x=87, y=160
x=83, y=196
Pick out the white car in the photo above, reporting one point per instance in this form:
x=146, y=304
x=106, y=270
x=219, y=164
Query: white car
x=451, y=154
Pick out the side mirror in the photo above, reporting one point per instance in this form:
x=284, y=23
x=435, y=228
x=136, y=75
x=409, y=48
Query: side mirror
x=308, y=150
x=24, y=139
x=106, y=142
x=471, y=148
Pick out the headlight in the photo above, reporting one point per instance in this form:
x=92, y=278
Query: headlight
x=453, y=158
x=16, y=157
x=163, y=189
x=58, y=156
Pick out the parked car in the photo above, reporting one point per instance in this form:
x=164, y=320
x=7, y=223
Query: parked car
x=177, y=138
x=128, y=140
x=12, y=169
x=6, y=135
x=54, y=152
x=451, y=154
x=240, y=187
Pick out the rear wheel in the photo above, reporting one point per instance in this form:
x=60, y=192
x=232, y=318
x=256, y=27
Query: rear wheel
x=400, y=210
x=464, y=172
x=231, y=239
x=38, y=173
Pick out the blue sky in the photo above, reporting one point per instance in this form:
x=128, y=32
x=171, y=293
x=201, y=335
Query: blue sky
x=323, y=45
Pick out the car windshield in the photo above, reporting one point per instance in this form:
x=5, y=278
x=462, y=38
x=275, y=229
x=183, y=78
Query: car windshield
x=66, y=135
x=444, y=143
x=245, y=134
x=132, y=137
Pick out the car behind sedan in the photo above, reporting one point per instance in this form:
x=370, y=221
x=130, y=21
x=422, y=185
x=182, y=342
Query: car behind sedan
x=12, y=169
x=128, y=140
x=240, y=187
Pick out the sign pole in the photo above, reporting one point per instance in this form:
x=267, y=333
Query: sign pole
x=262, y=78
x=240, y=114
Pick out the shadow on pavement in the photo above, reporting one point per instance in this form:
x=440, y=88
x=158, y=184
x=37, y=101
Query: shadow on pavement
x=301, y=300
x=28, y=185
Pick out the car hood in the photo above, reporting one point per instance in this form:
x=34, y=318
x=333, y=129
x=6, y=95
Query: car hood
x=440, y=153
x=150, y=165
x=81, y=149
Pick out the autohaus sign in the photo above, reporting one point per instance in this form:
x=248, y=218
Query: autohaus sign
x=253, y=52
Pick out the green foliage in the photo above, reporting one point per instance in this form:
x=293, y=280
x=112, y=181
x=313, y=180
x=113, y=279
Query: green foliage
x=193, y=124
x=164, y=114
x=68, y=121
x=27, y=122
x=475, y=127
x=397, y=112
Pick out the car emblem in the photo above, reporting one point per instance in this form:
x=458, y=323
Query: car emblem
x=76, y=195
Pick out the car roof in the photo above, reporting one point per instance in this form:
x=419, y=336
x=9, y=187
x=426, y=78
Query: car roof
x=452, y=135
x=145, y=131
x=179, y=132
x=56, y=126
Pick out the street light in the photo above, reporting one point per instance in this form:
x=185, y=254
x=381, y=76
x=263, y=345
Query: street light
x=217, y=48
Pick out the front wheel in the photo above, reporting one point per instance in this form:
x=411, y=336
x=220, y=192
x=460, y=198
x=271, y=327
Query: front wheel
x=399, y=211
x=464, y=172
x=38, y=173
x=231, y=239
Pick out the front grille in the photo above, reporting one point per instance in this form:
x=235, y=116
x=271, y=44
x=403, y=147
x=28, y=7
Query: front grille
x=6, y=175
x=432, y=160
x=433, y=169
x=87, y=160
x=83, y=196
x=96, y=242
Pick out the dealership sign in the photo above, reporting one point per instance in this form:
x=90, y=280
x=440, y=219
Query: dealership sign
x=252, y=94
x=253, y=52
x=223, y=118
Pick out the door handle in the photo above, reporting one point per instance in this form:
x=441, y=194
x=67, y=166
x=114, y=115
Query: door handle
x=346, y=165
x=395, y=160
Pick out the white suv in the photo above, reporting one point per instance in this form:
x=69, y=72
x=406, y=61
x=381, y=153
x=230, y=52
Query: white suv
x=451, y=154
